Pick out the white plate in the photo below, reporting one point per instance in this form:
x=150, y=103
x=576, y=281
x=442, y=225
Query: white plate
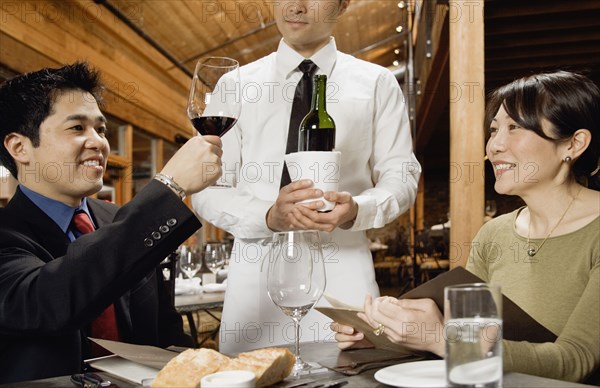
x=419, y=374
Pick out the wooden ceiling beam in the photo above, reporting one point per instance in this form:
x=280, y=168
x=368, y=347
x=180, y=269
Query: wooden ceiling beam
x=554, y=61
x=548, y=50
x=566, y=21
x=535, y=39
x=545, y=8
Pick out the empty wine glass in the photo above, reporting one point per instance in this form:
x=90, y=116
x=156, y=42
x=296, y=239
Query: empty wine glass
x=226, y=252
x=296, y=278
x=214, y=256
x=490, y=208
x=215, y=103
x=190, y=261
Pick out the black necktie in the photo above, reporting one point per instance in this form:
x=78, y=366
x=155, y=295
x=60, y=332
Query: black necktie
x=300, y=107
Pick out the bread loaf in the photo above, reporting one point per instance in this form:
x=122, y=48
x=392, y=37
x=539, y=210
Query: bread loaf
x=188, y=368
x=270, y=366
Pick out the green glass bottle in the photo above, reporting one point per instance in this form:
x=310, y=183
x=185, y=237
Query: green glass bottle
x=317, y=129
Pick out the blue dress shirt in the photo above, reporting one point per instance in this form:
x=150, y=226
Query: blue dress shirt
x=59, y=212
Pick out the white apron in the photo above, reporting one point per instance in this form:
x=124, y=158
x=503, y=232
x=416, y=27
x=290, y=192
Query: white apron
x=251, y=320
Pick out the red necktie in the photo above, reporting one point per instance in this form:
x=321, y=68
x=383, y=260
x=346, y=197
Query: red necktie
x=105, y=326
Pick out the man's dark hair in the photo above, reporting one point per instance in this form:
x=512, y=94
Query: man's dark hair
x=27, y=100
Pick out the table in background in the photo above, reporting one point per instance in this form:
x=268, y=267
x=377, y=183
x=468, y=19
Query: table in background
x=204, y=301
x=322, y=351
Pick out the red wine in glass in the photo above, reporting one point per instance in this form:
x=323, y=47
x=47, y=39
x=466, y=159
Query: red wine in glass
x=215, y=101
x=213, y=125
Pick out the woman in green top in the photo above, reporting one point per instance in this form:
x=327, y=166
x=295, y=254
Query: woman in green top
x=544, y=145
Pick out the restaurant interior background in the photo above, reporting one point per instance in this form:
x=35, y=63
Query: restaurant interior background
x=446, y=55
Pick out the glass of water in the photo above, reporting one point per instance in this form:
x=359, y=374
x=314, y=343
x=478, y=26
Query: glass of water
x=473, y=332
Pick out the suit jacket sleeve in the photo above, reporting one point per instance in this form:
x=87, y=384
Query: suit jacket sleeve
x=41, y=293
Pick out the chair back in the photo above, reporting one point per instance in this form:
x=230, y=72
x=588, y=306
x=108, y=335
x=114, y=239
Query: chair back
x=168, y=271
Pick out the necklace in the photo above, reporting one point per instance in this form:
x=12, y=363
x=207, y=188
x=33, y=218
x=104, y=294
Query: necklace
x=531, y=251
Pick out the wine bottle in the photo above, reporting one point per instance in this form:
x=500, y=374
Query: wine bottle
x=317, y=129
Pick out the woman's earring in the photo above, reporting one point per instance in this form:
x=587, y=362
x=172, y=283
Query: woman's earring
x=568, y=159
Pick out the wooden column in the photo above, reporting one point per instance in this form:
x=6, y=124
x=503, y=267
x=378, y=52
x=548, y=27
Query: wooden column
x=467, y=100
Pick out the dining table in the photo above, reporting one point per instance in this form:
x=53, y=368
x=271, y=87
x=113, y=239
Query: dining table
x=327, y=353
x=188, y=304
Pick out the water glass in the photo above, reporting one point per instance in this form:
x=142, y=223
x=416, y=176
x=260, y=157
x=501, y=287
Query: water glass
x=473, y=333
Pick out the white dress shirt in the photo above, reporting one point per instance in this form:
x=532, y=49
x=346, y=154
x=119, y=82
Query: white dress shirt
x=377, y=167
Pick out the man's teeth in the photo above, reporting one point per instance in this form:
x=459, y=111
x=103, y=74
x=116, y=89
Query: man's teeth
x=91, y=163
x=505, y=166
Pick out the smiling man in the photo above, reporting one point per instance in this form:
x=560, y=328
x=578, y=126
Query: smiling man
x=73, y=266
x=378, y=175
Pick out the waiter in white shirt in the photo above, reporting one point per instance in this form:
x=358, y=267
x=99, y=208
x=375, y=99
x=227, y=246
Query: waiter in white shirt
x=378, y=180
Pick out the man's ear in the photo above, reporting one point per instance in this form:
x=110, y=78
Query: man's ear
x=17, y=146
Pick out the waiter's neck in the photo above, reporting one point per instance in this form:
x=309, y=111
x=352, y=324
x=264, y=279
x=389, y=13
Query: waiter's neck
x=309, y=49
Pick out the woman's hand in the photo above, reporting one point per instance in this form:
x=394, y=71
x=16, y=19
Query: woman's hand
x=348, y=338
x=414, y=323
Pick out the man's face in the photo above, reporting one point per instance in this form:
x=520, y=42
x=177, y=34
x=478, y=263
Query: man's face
x=71, y=158
x=306, y=25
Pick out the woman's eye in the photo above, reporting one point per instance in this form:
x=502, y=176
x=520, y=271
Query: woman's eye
x=101, y=130
x=514, y=126
x=493, y=130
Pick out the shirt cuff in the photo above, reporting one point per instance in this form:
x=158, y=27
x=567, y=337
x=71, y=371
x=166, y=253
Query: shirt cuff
x=367, y=209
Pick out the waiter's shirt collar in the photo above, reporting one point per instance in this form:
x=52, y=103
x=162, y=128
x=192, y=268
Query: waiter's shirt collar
x=288, y=59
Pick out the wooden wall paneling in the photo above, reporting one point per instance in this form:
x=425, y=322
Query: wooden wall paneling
x=21, y=58
x=128, y=170
x=129, y=43
x=46, y=37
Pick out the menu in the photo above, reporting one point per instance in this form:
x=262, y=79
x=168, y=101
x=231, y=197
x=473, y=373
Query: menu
x=517, y=324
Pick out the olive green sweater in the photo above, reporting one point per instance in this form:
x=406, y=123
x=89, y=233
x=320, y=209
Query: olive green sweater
x=559, y=287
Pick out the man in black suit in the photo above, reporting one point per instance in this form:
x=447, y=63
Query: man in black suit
x=56, y=280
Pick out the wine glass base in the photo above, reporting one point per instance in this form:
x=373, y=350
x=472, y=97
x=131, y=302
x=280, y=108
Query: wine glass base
x=302, y=368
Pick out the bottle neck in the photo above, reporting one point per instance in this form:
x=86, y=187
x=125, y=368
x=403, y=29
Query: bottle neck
x=318, y=97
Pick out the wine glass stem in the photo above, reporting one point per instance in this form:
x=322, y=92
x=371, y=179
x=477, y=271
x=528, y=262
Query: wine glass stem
x=297, y=329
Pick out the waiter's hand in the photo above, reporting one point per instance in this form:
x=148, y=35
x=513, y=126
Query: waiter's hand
x=280, y=216
x=306, y=217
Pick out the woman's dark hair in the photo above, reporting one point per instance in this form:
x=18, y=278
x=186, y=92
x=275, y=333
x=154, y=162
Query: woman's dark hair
x=27, y=100
x=568, y=101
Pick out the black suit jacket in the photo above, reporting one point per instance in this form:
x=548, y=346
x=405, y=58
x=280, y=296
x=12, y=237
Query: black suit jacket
x=51, y=289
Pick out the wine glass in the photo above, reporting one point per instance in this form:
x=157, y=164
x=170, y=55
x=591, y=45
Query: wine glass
x=490, y=208
x=190, y=261
x=214, y=256
x=296, y=278
x=215, y=103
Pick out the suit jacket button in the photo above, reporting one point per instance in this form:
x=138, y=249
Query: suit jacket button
x=164, y=228
x=156, y=235
x=171, y=222
x=148, y=242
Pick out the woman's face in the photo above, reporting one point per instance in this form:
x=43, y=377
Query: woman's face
x=521, y=159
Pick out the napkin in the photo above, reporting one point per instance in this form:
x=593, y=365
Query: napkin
x=215, y=287
x=187, y=286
